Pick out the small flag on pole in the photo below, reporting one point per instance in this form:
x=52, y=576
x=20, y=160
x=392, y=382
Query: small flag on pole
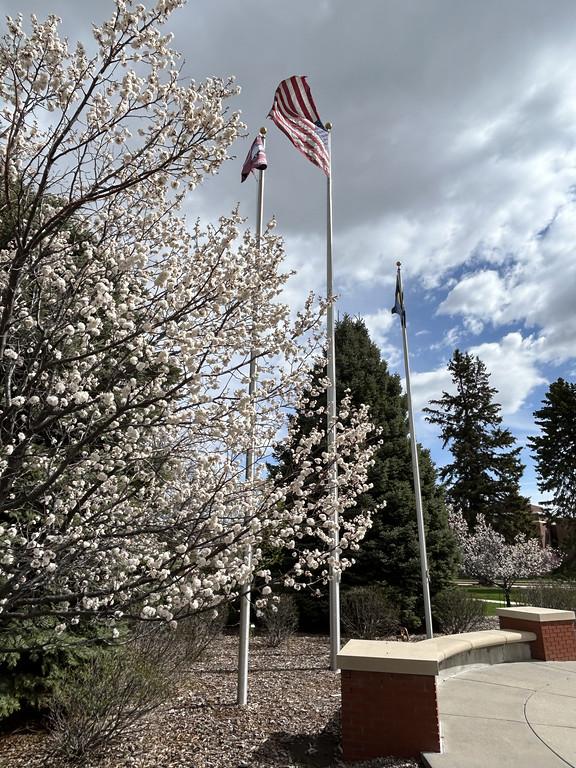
x=398, y=308
x=295, y=113
x=255, y=160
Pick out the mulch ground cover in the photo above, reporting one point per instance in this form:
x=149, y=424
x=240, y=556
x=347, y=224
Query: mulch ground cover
x=291, y=721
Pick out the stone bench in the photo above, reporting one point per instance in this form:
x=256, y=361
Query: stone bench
x=389, y=689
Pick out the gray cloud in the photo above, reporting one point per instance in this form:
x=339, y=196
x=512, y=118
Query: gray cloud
x=404, y=83
x=453, y=146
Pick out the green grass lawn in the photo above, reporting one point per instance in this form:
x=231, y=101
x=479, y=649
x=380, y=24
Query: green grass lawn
x=565, y=597
x=487, y=593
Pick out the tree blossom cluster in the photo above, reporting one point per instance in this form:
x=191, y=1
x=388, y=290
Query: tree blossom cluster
x=487, y=556
x=125, y=341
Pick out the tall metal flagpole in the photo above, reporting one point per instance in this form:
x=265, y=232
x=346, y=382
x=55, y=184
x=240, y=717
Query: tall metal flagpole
x=415, y=470
x=245, y=592
x=334, y=584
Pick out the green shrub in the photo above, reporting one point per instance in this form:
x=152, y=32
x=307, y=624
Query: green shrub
x=561, y=595
x=103, y=700
x=35, y=657
x=369, y=612
x=455, y=611
x=280, y=618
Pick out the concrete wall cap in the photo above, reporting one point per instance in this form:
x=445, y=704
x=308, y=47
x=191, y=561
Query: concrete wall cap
x=387, y=656
x=532, y=613
x=444, y=646
x=449, y=645
x=424, y=657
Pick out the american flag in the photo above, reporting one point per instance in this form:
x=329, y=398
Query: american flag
x=255, y=159
x=295, y=113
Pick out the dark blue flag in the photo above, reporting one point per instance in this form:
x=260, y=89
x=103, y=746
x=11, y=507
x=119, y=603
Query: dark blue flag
x=398, y=308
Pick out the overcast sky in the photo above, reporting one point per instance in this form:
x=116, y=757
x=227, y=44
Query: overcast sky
x=453, y=152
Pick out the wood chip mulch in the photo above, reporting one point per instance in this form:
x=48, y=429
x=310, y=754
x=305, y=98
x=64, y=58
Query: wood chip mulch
x=291, y=721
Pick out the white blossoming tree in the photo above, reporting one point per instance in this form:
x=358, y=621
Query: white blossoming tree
x=125, y=339
x=486, y=555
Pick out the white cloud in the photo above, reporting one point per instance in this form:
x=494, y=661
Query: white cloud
x=534, y=289
x=429, y=385
x=482, y=294
x=473, y=325
x=450, y=155
x=449, y=340
x=513, y=365
x=379, y=324
x=306, y=257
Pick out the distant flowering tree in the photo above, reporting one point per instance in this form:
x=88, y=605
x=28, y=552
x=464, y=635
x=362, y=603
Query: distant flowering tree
x=487, y=556
x=125, y=339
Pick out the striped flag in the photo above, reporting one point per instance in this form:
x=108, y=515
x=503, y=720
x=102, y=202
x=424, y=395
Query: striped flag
x=255, y=159
x=295, y=113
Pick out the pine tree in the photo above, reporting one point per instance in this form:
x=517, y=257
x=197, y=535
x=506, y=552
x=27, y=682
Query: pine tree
x=485, y=472
x=389, y=554
x=555, y=447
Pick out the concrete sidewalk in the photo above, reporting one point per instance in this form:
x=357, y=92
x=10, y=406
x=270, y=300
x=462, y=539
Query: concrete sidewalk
x=518, y=715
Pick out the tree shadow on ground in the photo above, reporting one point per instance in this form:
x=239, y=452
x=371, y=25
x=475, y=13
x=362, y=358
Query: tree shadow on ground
x=305, y=750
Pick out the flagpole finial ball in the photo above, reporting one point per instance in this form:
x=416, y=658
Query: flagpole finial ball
x=328, y=126
x=398, y=263
x=263, y=131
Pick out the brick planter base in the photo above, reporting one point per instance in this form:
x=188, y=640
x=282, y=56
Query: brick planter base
x=555, y=631
x=388, y=714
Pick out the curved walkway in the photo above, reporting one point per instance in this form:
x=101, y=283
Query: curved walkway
x=518, y=715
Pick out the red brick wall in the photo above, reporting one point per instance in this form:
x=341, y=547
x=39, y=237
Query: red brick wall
x=555, y=640
x=388, y=714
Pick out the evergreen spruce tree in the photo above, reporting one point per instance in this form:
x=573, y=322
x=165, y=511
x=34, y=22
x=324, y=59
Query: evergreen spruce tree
x=485, y=472
x=554, y=450
x=389, y=554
